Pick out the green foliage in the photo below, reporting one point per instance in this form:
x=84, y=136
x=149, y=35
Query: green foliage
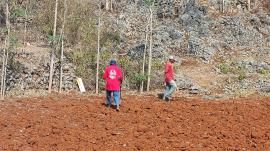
x=54, y=39
x=85, y=64
x=130, y=69
x=14, y=42
x=105, y=58
x=241, y=76
x=1, y=16
x=149, y=2
x=224, y=68
x=3, y=30
x=14, y=65
x=263, y=71
x=111, y=40
x=124, y=62
x=47, y=29
x=18, y=12
x=140, y=77
x=115, y=37
x=157, y=65
x=90, y=33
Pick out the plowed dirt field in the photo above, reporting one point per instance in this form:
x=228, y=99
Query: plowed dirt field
x=83, y=123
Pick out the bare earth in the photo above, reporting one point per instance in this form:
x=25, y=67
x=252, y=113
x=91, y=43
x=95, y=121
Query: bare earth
x=73, y=122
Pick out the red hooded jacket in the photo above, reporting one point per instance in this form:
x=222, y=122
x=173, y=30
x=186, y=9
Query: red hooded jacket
x=113, y=78
x=169, y=73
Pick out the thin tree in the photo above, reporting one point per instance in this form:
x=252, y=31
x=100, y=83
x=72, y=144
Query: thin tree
x=98, y=48
x=25, y=22
x=53, y=51
x=111, y=5
x=3, y=71
x=151, y=45
x=248, y=5
x=223, y=6
x=5, y=56
x=5, y=68
x=144, y=54
x=62, y=46
x=107, y=5
x=136, y=3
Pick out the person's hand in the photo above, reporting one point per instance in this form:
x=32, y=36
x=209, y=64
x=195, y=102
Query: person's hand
x=120, y=79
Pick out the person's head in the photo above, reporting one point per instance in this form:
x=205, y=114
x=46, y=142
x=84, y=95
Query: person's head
x=113, y=62
x=172, y=59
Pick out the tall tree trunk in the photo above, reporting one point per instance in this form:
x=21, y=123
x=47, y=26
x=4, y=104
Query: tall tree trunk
x=25, y=23
x=55, y=20
x=62, y=46
x=150, y=49
x=248, y=5
x=98, y=50
x=223, y=6
x=107, y=5
x=53, y=47
x=136, y=4
x=3, y=72
x=163, y=10
x=5, y=58
x=144, y=54
x=7, y=24
x=111, y=5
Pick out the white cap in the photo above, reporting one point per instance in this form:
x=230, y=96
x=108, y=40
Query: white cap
x=172, y=58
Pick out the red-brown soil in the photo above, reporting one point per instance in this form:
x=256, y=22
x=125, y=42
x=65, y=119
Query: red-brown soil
x=143, y=123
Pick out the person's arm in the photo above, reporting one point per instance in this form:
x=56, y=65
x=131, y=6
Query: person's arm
x=165, y=73
x=166, y=68
x=120, y=76
x=172, y=70
x=105, y=75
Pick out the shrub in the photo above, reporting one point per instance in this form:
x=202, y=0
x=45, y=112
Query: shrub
x=130, y=69
x=157, y=65
x=263, y=71
x=224, y=68
x=241, y=77
x=85, y=66
x=139, y=78
x=14, y=65
x=16, y=13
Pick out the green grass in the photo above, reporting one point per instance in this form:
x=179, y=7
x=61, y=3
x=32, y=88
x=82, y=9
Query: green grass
x=224, y=68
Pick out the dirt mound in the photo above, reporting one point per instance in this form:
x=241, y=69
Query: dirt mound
x=144, y=123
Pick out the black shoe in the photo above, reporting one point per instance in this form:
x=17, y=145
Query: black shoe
x=108, y=105
x=167, y=99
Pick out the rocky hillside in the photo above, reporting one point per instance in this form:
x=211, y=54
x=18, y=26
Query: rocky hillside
x=232, y=44
x=223, y=48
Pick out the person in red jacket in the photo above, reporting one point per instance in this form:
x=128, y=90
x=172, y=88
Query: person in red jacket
x=113, y=78
x=170, y=84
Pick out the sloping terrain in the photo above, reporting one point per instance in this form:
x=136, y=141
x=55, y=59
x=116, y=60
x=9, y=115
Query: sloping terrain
x=75, y=122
